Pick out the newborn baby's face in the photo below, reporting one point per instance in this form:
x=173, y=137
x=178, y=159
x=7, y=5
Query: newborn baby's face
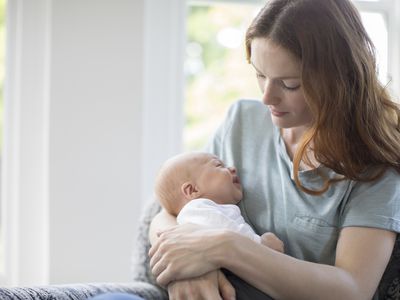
x=219, y=182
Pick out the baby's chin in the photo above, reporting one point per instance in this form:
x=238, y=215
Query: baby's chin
x=232, y=200
x=238, y=199
x=240, y=196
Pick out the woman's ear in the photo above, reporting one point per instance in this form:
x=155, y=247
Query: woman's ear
x=190, y=191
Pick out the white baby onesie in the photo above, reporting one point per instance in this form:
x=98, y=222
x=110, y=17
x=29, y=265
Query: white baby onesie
x=204, y=211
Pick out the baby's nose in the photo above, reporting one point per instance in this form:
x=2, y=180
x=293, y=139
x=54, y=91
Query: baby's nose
x=232, y=170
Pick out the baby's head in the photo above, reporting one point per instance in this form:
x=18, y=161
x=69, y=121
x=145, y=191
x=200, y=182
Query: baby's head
x=195, y=175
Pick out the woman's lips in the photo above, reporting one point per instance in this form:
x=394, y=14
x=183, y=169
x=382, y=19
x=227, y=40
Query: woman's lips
x=277, y=113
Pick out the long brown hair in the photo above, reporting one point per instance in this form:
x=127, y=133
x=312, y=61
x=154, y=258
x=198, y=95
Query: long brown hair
x=356, y=125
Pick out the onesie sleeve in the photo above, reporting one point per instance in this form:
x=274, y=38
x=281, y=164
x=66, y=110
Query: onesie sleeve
x=375, y=204
x=207, y=213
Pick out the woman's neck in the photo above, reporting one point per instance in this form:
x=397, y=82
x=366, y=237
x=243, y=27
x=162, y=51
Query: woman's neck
x=291, y=138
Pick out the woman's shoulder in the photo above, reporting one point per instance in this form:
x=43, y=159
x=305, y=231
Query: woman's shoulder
x=247, y=106
x=392, y=175
x=249, y=112
x=387, y=186
x=247, y=127
x=389, y=179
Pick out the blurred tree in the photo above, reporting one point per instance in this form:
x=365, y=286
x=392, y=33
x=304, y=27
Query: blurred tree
x=216, y=69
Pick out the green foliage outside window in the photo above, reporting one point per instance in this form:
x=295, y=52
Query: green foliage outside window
x=217, y=73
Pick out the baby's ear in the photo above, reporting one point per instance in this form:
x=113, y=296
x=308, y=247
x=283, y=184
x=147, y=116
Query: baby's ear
x=189, y=190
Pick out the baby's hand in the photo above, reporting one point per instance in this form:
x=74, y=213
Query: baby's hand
x=271, y=240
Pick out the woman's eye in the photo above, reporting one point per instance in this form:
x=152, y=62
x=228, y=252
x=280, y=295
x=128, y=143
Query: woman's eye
x=290, y=86
x=261, y=76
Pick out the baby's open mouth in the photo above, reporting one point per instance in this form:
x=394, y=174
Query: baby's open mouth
x=236, y=179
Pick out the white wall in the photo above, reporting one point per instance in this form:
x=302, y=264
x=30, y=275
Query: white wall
x=77, y=165
x=95, y=136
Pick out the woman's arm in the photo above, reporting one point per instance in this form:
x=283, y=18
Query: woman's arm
x=361, y=257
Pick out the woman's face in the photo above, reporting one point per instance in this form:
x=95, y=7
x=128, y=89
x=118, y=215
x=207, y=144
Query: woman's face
x=279, y=77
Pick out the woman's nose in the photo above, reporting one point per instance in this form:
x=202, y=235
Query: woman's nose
x=270, y=96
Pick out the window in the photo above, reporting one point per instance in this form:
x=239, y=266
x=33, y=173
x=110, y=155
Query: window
x=216, y=69
x=215, y=55
x=2, y=49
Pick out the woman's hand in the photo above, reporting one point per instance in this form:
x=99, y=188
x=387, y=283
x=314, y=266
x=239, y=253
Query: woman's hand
x=272, y=241
x=211, y=286
x=185, y=251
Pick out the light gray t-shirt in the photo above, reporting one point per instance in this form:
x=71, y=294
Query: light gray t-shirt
x=308, y=225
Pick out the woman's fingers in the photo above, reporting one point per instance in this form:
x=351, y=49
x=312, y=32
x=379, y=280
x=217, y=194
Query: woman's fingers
x=172, y=228
x=164, y=272
x=225, y=287
x=158, y=263
x=201, y=288
x=158, y=268
x=162, y=236
x=272, y=241
x=157, y=251
x=153, y=248
x=154, y=258
x=164, y=278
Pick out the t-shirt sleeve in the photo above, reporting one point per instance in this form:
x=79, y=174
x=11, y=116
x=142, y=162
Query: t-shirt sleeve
x=375, y=204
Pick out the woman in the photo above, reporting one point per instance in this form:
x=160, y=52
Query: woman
x=319, y=161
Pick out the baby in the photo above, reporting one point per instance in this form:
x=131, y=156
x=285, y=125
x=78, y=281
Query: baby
x=198, y=188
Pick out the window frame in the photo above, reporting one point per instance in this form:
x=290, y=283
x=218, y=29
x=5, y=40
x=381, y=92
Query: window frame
x=390, y=9
x=24, y=172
